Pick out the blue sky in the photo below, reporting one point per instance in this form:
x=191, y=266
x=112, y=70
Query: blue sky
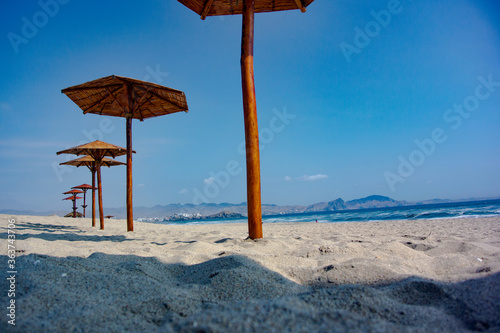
x=398, y=98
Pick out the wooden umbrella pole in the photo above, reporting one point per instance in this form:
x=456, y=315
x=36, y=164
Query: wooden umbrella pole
x=251, y=127
x=99, y=189
x=74, y=207
x=93, y=195
x=130, y=213
x=84, y=205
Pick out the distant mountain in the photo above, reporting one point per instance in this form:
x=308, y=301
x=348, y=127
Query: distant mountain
x=210, y=209
x=374, y=201
x=432, y=202
x=223, y=210
x=338, y=204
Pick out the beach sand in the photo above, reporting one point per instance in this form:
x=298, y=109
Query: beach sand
x=394, y=276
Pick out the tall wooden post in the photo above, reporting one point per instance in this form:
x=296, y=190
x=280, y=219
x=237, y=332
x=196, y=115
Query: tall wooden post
x=99, y=189
x=74, y=206
x=93, y=170
x=251, y=127
x=84, y=198
x=130, y=213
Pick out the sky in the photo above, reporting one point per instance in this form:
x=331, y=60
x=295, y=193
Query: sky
x=354, y=98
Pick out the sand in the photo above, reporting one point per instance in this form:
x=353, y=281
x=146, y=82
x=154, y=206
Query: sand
x=395, y=276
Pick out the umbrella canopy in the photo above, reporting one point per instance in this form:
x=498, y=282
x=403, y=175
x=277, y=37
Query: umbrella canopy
x=248, y=8
x=83, y=187
x=73, y=197
x=97, y=150
x=120, y=96
x=206, y=8
x=90, y=163
x=74, y=192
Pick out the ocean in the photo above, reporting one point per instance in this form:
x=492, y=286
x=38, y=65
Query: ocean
x=470, y=209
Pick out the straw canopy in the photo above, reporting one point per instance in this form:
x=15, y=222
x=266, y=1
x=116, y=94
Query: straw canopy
x=96, y=149
x=83, y=187
x=73, y=197
x=231, y=7
x=89, y=162
x=120, y=96
x=74, y=192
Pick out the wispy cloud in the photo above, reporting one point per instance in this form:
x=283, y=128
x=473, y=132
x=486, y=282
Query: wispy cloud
x=184, y=191
x=307, y=178
x=209, y=180
x=313, y=177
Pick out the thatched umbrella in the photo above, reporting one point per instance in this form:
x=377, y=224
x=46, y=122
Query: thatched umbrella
x=73, y=198
x=90, y=163
x=97, y=150
x=74, y=193
x=120, y=96
x=206, y=8
x=84, y=188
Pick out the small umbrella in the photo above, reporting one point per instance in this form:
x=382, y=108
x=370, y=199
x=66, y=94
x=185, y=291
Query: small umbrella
x=120, y=96
x=74, y=193
x=84, y=188
x=97, y=150
x=90, y=163
x=73, y=198
x=206, y=8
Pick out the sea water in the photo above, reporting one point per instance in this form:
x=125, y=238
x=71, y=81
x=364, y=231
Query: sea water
x=470, y=209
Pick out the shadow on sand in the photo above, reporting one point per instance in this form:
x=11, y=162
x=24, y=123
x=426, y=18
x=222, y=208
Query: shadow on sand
x=232, y=294
x=60, y=232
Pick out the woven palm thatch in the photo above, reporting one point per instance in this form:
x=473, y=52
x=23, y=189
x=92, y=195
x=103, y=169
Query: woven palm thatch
x=89, y=162
x=83, y=187
x=120, y=96
x=77, y=214
x=232, y=7
x=96, y=149
x=74, y=192
x=73, y=197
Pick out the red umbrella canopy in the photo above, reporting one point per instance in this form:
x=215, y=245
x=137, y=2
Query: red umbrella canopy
x=73, y=197
x=73, y=192
x=83, y=187
x=231, y=7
